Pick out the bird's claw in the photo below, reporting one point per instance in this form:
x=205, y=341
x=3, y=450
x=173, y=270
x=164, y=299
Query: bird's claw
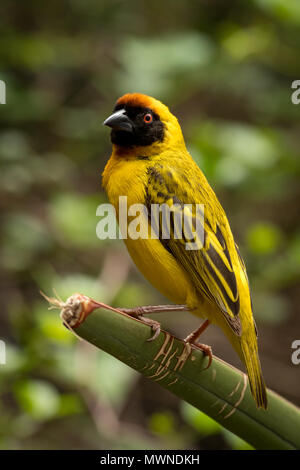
x=138, y=313
x=207, y=351
x=155, y=327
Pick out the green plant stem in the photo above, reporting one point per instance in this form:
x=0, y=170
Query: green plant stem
x=222, y=392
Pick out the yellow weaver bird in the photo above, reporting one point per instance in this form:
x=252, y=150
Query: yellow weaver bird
x=151, y=165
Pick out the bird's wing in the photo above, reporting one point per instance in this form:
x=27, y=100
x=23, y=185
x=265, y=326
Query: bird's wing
x=210, y=265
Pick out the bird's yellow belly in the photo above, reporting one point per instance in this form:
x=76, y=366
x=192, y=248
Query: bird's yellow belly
x=159, y=268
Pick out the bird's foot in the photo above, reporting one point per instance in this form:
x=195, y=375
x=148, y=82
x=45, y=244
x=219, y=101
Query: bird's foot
x=205, y=348
x=138, y=313
x=154, y=325
x=192, y=340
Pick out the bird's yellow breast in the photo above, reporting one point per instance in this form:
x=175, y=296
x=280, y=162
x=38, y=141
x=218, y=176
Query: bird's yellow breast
x=128, y=178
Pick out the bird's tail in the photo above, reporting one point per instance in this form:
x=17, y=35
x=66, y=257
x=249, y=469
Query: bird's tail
x=256, y=380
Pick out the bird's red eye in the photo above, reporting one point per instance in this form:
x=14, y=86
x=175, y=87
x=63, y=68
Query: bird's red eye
x=148, y=118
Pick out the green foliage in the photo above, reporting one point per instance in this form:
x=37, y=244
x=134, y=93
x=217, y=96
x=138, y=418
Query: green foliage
x=162, y=423
x=263, y=239
x=206, y=426
x=37, y=398
x=143, y=61
x=73, y=219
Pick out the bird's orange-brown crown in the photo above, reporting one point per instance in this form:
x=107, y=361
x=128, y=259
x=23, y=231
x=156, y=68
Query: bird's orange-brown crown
x=145, y=101
x=135, y=99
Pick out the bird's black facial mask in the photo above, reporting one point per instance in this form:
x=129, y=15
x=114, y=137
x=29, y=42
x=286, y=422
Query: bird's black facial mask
x=134, y=126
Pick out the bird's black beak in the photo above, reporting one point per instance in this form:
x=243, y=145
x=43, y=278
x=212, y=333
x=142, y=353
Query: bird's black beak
x=119, y=121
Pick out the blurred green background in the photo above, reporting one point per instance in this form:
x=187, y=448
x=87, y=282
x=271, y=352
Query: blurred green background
x=225, y=68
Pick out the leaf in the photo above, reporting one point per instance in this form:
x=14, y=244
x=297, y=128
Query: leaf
x=200, y=421
x=219, y=391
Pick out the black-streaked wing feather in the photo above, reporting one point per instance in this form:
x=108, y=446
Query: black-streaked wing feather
x=210, y=267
